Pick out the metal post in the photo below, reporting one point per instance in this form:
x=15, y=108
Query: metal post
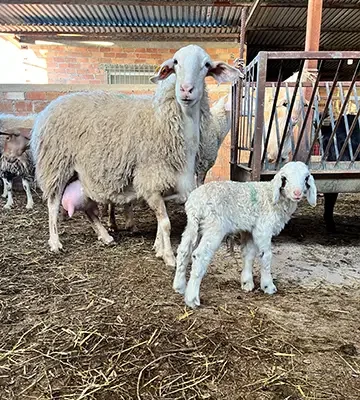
x=242, y=32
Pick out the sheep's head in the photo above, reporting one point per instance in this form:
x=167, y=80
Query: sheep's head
x=191, y=65
x=294, y=181
x=15, y=144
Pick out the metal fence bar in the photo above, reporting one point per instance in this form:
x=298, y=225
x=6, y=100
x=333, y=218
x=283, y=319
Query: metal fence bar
x=346, y=120
x=273, y=113
x=259, y=118
x=348, y=139
x=308, y=111
x=344, y=105
x=328, y=100
x=302, y=62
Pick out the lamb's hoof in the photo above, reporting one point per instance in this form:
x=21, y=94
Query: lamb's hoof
x=170, y=260
x=55, y=246
x=192, y=300
x=268, y=288
x=113, y=228
x=247, y=286
x=179, y=285
x=29, y=206
x=4, y=196
x=8, y=206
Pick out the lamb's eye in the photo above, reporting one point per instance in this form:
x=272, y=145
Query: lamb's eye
x=175, y=62
x=283, y=182
x=208, y=65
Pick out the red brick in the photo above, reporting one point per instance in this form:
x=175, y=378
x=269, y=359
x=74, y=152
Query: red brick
x=35, y=95
x=23, y=106
x=53, y=95
x=6, y=106
x=38, y=106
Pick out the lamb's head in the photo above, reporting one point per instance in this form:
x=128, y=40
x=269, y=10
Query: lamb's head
x=15, y=144
x=191, y=65
x=294, y=181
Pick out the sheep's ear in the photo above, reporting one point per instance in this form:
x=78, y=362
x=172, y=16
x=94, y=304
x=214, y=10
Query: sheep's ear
x=222, y=72
x=165, y=70
x=25, y=132
x=311, y=193
x=277, y=184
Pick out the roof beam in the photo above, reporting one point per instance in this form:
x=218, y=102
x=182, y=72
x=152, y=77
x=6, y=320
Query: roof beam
x=300, y=29
x=144, y=37
x=214, y=3
x=252, y=13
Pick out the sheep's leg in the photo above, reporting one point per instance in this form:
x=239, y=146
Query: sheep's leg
x=201, y=259
x=249, y=253
x=162, y=243
x=263, y=243
x=329, y=204
x=30, y=201
x=200, y=179
x=10, y=200
x=98, y=227
x=53, y=208
x=112, y=218
x=129, y=217
x=5, y=192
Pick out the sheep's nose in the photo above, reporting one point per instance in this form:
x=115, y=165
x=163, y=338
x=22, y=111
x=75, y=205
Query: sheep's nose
x=186, y=89
x=297, y=192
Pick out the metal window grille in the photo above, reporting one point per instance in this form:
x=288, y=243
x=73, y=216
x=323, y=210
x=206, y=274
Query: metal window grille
x=125, y=74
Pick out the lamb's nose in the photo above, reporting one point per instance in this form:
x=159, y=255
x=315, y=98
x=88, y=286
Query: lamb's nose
x=297, y=192
x=187, y=89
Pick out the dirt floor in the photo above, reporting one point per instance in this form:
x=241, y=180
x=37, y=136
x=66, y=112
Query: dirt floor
x=99, y=322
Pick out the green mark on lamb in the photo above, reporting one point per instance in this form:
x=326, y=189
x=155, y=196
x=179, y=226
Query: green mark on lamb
x=253, y=195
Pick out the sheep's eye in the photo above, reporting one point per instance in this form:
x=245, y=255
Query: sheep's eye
x=307, y=181
x=175, y=62
x=283, y=182
x=207, y=65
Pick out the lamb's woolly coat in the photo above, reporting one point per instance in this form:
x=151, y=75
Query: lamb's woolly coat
x=112, y=142
x=211, y=140
x=12, y=123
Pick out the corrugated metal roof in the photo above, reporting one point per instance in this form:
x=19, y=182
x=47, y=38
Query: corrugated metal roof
x=64, y=17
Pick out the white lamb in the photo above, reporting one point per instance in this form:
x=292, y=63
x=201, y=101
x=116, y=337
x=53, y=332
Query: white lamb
x=258, y=210
x=122, y=149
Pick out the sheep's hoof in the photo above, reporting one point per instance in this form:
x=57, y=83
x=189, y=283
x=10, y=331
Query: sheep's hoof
x=247, y=286
x=55, y=246
x=107, y=240
x=113, y=228
x=29, y=206
x=4, y=195
x=169, y=260
x=268, y=288
x=7, y=206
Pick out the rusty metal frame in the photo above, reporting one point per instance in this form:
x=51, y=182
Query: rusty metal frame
x=257, y=168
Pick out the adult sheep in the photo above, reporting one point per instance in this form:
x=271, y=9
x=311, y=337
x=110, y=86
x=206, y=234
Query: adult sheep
x=126, y=148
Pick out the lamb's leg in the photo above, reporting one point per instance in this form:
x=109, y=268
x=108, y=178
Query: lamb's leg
x=329, y=204
x=53, y=208
x=249, y=253
x=162, y=243
x=5, y=192
x=263, y=243
x=201, y=259
x=98, y=227
x=30, y=202
x=129, y=217
x=10, y=201
x=184, y=251
x=112, y=218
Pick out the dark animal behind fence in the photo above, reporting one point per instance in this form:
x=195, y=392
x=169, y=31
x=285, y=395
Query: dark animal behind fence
x=341, y=134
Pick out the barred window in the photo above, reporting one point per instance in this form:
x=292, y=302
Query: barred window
x=125, y=74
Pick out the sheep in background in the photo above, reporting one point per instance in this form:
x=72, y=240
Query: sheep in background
x=127, y=161
x=16, y=161
x=211, y=140
x=281, y=110
x=258, y=210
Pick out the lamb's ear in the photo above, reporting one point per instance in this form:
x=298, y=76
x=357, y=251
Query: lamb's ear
x=222, y=72
x=25, y=132
x=165, y=70
x=311, y=193
x=277, y=184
